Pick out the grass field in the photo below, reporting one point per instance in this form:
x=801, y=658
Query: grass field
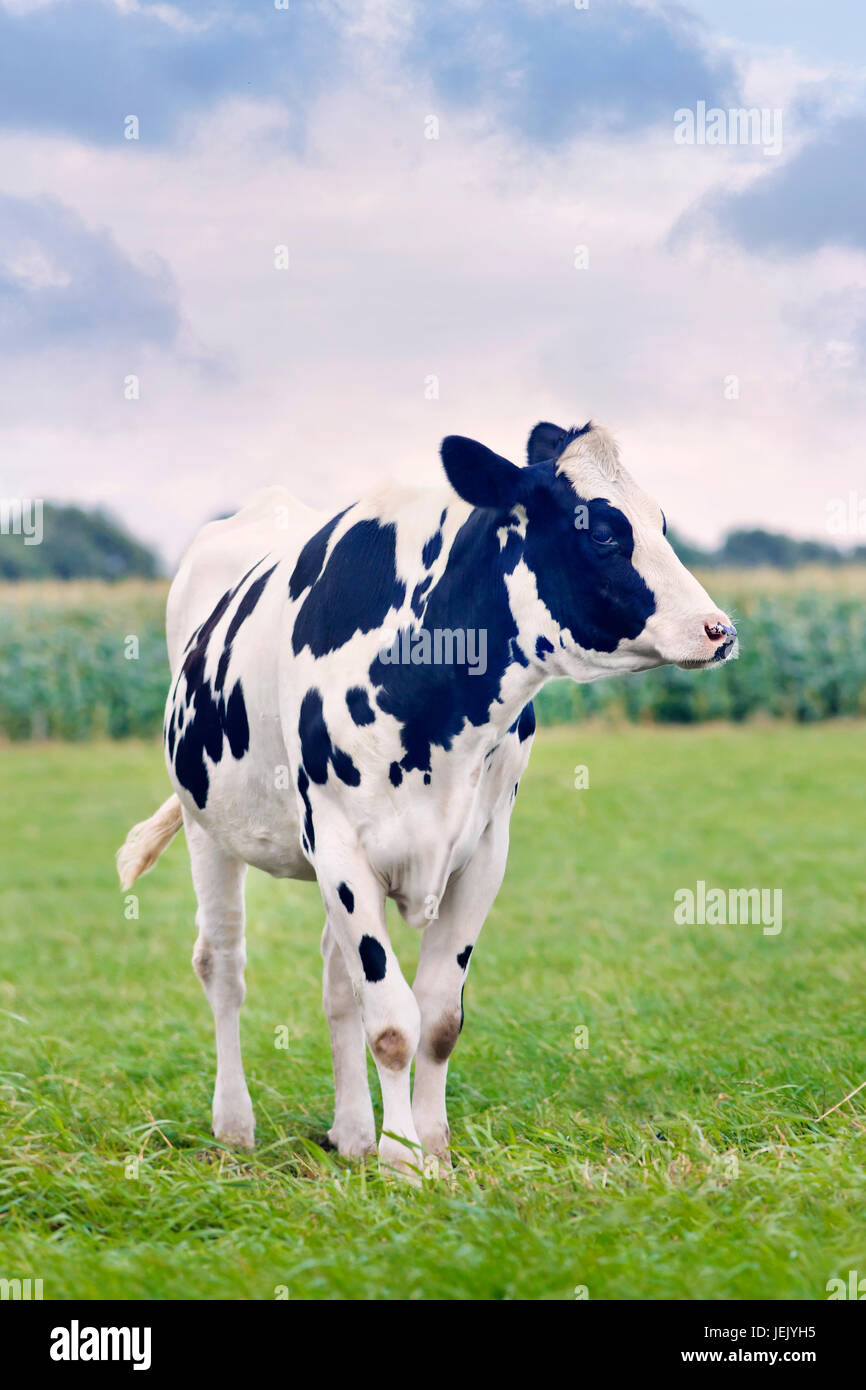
x=682, y=1154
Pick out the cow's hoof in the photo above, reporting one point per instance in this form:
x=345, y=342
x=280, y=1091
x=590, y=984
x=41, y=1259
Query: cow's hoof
x=235, y=1137
x=435, y=1143
x=401, y=1160
x=235, y=1126
x=352, y=1140
x=437, y=1166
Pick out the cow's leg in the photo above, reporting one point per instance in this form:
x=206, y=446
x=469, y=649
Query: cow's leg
x=443, y=963
x=353, y=1132
x=218, y=959
x=355, y=903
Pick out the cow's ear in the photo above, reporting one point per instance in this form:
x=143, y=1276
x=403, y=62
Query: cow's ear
x=545, y=442
x=479, y=476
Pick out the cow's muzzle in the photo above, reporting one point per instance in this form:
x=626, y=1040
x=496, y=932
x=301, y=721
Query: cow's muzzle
x=717, y=643
x=725, y=634
x=716, y=629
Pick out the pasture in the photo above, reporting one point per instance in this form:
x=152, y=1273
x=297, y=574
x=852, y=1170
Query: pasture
x=684, y=1152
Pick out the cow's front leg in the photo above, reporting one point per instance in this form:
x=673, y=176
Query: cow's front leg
x=446, y=948
x=353, y=1132
x=355, y=904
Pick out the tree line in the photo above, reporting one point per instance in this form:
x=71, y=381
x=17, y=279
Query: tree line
x=76, y=543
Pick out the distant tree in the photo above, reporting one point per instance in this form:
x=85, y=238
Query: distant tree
x=691, y=555
x=76, y=544
x=759, y=547
x=744, y=548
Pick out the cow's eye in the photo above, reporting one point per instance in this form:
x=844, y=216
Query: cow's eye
x=602, y=534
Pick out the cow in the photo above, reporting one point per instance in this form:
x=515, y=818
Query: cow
x=351, y=703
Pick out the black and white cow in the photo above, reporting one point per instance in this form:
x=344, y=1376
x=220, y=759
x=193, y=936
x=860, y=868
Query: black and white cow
x=351, y=702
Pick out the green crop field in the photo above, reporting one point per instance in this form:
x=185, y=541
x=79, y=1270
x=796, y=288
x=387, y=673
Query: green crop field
x=699, y=1145
x=88, y=659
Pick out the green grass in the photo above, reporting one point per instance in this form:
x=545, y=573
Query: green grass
x=681, y=1155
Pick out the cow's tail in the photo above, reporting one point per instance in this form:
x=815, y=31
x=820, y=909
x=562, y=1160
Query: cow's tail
x=146, y=841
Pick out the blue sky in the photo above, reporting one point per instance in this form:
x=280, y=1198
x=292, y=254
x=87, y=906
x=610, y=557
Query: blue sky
x=552, y=252
x=832, y=31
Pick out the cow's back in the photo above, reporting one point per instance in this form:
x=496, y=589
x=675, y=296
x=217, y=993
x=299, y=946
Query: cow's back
x=273, y=523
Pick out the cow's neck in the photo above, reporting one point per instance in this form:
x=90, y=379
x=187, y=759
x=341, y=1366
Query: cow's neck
x=486, y=589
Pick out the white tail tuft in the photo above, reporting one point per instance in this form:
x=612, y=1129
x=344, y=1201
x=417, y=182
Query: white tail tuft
x=146, y=841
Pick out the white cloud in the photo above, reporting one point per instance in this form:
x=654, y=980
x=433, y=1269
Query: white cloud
x=413, y=258
x=34, y=270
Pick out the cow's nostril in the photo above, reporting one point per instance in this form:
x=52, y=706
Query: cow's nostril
x=717, y=630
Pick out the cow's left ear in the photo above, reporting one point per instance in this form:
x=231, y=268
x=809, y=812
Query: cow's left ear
x=548, y=441
x=545, y=442
x=480, y=477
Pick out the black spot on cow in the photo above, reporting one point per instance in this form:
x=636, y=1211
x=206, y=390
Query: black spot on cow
x=584, y=575
x=418, y=596
x=432, y=703
x=235, y=723
x=526, y=723
x=304, y=794
x=246, y=606
x=355, y=591
x=314, y=736
x=431, y=550
x=210, y=719
x=345, y=768
x=427, y=779
x=222, y=668
x=463, y=957
x=347, y=897
x=542, y=647
x=373, y=958
x=359, y=705
x=311, y=558
x=317, y=750
x=395, y=772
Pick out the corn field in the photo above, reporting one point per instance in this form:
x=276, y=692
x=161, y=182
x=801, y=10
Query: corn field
x=88, y=659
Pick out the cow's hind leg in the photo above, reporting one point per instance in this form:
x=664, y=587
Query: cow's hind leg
x=218, y=958
x=353, y=1132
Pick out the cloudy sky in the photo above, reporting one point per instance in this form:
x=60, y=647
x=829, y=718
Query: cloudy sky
x=487, y=220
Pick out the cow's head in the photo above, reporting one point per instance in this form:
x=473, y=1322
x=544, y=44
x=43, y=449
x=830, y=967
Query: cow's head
x=595, y=545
